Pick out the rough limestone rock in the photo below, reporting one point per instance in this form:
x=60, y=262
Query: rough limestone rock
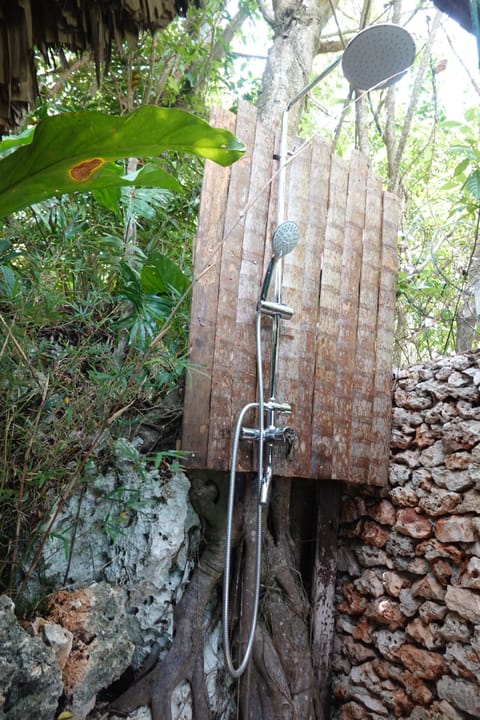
x=133, y=527
x=122, y=552
x=101, y=648
x=461, y=694
x=30, y=679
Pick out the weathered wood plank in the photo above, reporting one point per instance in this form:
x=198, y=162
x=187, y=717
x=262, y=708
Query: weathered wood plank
x=348, y=314
x=362, y=408
x=292, y=331
x=314, y=247
x=382, y=396
x=326, y=362
x=258, y=230
x=225, y=351
x=244, y=388
x=312, y=240
x=208, y=246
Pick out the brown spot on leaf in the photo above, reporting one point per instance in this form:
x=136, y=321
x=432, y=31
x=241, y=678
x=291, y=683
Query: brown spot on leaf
x=84, y=170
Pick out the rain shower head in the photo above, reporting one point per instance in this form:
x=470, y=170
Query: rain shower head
x=375, y=58
x=284, y=240
x=378, y=56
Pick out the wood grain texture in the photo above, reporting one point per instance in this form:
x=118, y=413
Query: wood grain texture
x=335, y=355
x=204, y=306
x=323, y=402
x=225, y=351
x=365, y=356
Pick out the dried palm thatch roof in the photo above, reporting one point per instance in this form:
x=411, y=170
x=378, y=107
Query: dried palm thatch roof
x=79, y=25
x=95, y=25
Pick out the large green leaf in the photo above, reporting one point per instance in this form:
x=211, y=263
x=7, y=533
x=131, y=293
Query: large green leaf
x=69, y=152
x=160, y=274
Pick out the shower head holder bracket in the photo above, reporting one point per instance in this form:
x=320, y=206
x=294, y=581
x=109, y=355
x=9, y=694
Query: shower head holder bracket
x=274, y=309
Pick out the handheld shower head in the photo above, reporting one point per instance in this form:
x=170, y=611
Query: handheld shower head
x=284, y=240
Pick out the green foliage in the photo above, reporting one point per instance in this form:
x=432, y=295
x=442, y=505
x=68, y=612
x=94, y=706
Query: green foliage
x=429, y=285
x=467, y=153
x=440, y=224
x=74, y=152
x=440, y=182
x=81, y=301
x=95, y=269
x=150, y=295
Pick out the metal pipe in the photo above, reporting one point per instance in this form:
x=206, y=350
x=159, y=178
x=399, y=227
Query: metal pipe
x=236, y=672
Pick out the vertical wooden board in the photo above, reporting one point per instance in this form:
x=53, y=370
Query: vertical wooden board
x=348, y=315
x=315, y=189
x=319, y=191
x=382, y=403
x=271, y=224
x=292, y=336
x=365, y=361
x=323, y=405
x=224, y=359
x=207, y=253
x=266, y=321
x=244, y=389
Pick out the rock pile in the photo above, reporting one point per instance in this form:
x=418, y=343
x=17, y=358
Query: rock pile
x=408, y=590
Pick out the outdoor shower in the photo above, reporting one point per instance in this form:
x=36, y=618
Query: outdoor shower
x=375, y=58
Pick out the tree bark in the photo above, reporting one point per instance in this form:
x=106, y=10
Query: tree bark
x=297, y=28
x=279, y=683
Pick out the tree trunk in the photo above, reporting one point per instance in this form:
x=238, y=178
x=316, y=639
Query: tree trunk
x=297, y=28
x=279, y=683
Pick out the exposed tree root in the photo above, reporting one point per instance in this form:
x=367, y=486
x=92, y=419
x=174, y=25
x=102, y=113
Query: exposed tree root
x=282, y=662
x=279, y=682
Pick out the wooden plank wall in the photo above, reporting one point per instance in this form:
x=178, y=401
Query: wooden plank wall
x=335, y=352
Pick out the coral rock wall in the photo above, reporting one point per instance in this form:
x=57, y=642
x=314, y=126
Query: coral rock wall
x=408, y=589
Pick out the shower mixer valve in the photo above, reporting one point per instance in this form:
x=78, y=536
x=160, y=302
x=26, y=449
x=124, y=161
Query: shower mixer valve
x=271, y=432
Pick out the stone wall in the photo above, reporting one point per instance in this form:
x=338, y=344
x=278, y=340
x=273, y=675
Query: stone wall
x=408, y=590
